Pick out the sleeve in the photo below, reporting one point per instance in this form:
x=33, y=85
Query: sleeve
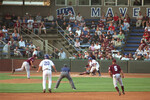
x=109, y=69
x=52, y=63
x=41, y=63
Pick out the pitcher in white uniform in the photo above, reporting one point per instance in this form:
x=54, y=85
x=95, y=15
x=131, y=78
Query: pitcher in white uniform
x=46, y=66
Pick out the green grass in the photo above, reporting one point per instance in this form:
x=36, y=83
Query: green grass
x=83, y=84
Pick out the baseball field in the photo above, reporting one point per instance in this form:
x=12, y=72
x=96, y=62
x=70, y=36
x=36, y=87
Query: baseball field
x=17, y=87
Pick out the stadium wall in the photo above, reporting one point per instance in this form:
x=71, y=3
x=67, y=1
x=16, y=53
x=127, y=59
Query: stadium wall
x=79, y=65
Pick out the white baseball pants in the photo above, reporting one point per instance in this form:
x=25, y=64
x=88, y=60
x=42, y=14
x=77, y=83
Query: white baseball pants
x=26, y=66
x=117, y=78
x=47, y=73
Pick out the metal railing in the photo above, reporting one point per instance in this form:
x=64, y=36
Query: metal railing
x=49, y=46
x=67, y=39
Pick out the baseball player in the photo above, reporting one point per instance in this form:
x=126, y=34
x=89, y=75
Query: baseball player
x=65, y=74
x=26, y=64
x=94, y=66
x=46, y=65
x=115, y=72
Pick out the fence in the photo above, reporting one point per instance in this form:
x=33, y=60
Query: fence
x=78, y=65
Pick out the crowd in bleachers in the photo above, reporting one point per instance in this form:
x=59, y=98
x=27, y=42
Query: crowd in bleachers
x=104, y=38
x=11, y=31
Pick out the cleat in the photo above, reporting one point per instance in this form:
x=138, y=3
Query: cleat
x=13, y=71
x=50, y=91
x=123, y=93
x=74, y=88
x=44, y=91
x=119, y=94
x=99, y=74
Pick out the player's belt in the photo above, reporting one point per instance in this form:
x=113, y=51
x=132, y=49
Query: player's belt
x=46, y=69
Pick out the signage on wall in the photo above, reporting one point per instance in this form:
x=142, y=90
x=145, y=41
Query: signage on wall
x=96, y=12
x=66, y=11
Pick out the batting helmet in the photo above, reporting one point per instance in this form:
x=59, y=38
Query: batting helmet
x=90, y=58
x=46, y=56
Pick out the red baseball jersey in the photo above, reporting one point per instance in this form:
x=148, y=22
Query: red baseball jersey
x=115, y=69
x=30, y=59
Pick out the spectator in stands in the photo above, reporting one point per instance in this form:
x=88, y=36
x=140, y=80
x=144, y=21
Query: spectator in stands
x=72, y=19
x=38, y=18
x=94, y=38
x=115, y=36
x=109, y=19
x=78, y=31
x=92, y=48
x=30, y=27
x=139, y=20
x=103, y=19
x=21, y=44
x=64, y=25
x=42, y=27
x=121, y=16
x=82, y=22
x=100, y=39
x=75, y=25
x=118, y=55
x=35, y=52
x=109, y=36
x=17, y=26
x=66, y=32
x=71, y=36
x=125, y=57
x=115, y=19
x=147, y=28
x=130, y=56
x=136, y=3
x=127, y=18
x=7, y=20
x=111, y=27
x=139, y=51
x=36, y=26
x=86, y=55
x=30, y=20
x=76, y=36
x=55, y=53
x=32, y=46
x=118, y=43
x=93, y=25
x=53, y=25
x=49, y=18
x=119, y=22
x=127, y=25
x=6, y=48
x=147, y=58
x=24, y=25
x=121, y=36
x=62, y=54
x=145, y=20
x=139, y=57
x=27, y=52
x=146, y=36
x=111, y=31
x=97, y=31
x=5, y=33
x=146, y=50
x=1, y=36
x=14, y=18
x=85, y=39
x=17, y=52
x=85, y=31
x=78, y=17
x=142, y=44
x=77, y=43
x=69, y=28
x=101, y=25
x=97, y=47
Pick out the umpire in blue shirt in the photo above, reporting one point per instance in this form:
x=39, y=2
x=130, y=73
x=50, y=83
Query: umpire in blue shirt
x=65, y=74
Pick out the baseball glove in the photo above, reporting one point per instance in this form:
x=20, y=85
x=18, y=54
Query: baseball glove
x=33, y=66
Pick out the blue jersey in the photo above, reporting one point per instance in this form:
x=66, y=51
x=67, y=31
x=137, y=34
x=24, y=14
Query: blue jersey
x=65, y=69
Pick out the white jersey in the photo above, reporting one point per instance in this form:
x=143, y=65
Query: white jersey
x=94, y=63
x=46, y=64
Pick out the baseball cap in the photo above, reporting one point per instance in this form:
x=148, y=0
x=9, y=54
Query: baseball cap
x=89, y=58
x=114, y=60
x=46, y=56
